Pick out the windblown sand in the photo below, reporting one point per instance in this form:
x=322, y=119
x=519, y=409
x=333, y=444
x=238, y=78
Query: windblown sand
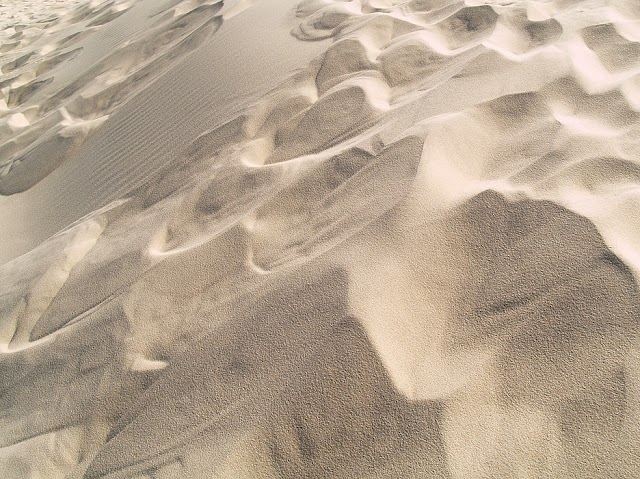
x=328, y=239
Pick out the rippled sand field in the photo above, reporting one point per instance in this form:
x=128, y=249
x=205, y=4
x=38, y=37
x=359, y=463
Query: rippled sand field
x=320, y=239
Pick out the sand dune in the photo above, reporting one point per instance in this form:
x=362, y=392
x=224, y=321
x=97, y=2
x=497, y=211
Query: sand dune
x=86, y=101
x=320, y=239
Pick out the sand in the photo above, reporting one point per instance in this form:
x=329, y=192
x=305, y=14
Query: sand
x=320, y=239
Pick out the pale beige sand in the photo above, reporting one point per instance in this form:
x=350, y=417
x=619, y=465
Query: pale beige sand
x=359, y=239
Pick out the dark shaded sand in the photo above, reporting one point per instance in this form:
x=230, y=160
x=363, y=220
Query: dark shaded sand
x=292, y=376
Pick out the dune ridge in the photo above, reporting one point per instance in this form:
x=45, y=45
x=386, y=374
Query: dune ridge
x=416, y=255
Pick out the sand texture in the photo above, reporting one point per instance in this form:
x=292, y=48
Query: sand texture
x=273, y=239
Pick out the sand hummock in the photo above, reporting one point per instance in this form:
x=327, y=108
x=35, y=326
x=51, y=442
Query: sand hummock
x=320, y=239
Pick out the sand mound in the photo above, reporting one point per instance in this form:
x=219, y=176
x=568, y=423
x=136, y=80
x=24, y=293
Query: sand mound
x=367, y=238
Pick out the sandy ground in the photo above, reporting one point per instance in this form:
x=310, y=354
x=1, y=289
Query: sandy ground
x=18, y=14
x=320, y=239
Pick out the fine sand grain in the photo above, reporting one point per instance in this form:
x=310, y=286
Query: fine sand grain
x=320, y=239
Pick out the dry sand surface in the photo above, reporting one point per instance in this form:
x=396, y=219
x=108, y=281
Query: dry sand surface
x=320, y=239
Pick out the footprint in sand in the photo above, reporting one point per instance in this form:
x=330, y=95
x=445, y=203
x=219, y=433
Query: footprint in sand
x=616, y=53
x=32, y=286
x=517, y=34
x=300, y=222
x=411, y=62
x=326, y=21
x=603, y=114
x=217, y=204
x=336, y=116
x=46, y=154
x=342, y=59
x=467, y=27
